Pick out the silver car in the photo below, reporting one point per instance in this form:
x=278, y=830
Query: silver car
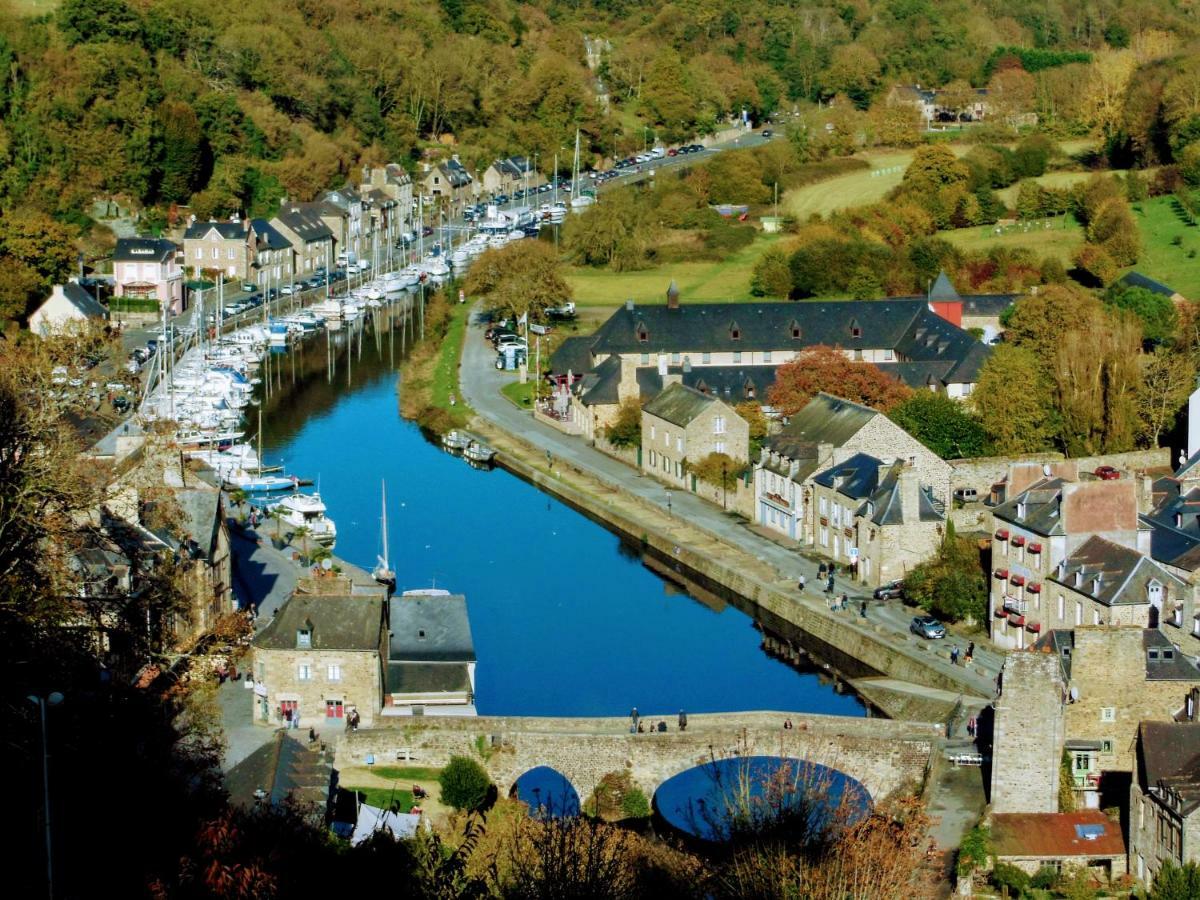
x=927, y=627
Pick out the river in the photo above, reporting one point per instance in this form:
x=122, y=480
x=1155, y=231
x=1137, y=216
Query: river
x=566, y=619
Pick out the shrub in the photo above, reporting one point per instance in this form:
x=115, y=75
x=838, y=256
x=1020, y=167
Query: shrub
x=464, y=783
x=1044, y=879
x=626, y=429
x=974, y=850
x=1010, y=877
x=635, y=805
x=617, y=797
x=718, y=469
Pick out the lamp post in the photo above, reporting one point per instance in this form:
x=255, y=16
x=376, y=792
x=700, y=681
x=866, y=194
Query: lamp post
x=52, y=699
x=668, y=503
x=724, y=485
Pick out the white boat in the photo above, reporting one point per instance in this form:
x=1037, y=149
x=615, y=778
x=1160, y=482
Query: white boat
x=306, y=511
x=479, y=452
x=242, y=480
x=579, y=201
x=455, y=440
x=383, y=572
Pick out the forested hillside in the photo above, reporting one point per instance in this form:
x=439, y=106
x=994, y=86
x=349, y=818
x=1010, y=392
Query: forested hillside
x=229, y=107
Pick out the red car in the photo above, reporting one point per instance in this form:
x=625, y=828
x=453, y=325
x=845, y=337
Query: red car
x=1107, y=473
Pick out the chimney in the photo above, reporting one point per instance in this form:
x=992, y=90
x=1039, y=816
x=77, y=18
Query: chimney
x=662, y=364
x=673, y=295
x=629, y=305
x=824, y=454
x=1145, y=494
x=910, y=495
x=627, y=387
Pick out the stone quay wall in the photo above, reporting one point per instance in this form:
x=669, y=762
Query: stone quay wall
x=888, y=757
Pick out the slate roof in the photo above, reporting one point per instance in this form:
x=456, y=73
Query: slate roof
x=1174, y=519
x=201, y=517
x=1056, y=835
x=140, y=249
x=455, y=173
x=268, y=237
x=907, y=326
x=825, y=419
x=427, y=678
x=83, y=301
x=987, y=304
x=1125, y=574
x=1168, y=756
x=878, y=484
x=599, y=386
x=1137, y=279
x=679, y=405
x=432, y=628
x=305, y=222
x=338, y=623
x=942, y=291
x=860, y=474
x=230, y=231
x=514, y=166
x=1041, y=501
x=1166, y=664
x=573, y=354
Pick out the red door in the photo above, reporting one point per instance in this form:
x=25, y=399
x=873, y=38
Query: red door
x=334, y=709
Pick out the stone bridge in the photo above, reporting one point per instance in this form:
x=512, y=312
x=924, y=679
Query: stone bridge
x=886, y=756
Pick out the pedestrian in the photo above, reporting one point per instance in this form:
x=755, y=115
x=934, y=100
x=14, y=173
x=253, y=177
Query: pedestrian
x=830, y=585
x=970, y=651
x=845, y=600
x=662, y=726
x=821, y=571
x=800, y=583
x=787, y=724
x=972, y=726
x=954, y=656
x=633, y=717
x=312, y=735
x=287, y=717
x=862, y=609
x=682, y=720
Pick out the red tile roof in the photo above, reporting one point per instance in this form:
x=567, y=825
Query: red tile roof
x=1053, y=835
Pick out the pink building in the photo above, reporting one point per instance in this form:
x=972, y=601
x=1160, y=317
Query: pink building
x=149, y=269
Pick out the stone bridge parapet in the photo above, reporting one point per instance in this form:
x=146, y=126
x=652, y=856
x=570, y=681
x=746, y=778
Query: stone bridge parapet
x=886, y=756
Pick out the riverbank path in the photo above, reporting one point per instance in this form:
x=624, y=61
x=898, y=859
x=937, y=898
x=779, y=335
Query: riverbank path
x=480, y=384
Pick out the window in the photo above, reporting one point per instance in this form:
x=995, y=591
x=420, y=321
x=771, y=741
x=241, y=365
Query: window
x=674, y=359
x=1108, y=714
x=720, y=446
x=643, y=335
x=719, y=425
x=420, y=634
x=1078, y=612
x=1083, y=762
x=678, y=444
x=795, y=331
x=858, y=355
x=837, y=514
x=304, y=672
x=303, y=638
x=645, y=359
x=735, y=333
x=666, y=439
x=706, y=357
x=678, y=469
x=216, y=252
x=199, y=253
x=653, y=431
x=652, y=457
x=1106, y=747
x=1095, y=617
x=823, y=506
x=232, y=253
x=737, y=356
x=888, y=355
x=333, y=673
x=766, y=356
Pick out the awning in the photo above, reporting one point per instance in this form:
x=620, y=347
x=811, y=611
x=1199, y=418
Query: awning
x=1001, y=612
x=1018, y=580
x=1018, y=541
x=1002, y=534
x=1079, y=744
x=1034, y=587
x=1034, y=627
x=1035, y=548
x=1016, y=620
x=1002, y=574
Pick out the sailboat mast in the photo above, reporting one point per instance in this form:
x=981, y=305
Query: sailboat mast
x=383, y=495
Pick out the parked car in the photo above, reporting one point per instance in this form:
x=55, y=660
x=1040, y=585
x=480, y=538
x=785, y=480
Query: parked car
x=249, y=287
x=287, y=290
x=766, y=132
x=893, y=590
x=927, y=627
x=966, y=495
x=1107, y=473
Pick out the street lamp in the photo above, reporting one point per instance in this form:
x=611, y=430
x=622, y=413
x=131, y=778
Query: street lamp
x=668, y=503
x=724, y=485
x=52, y=699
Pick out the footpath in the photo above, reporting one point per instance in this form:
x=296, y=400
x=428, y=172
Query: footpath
x=696, y=525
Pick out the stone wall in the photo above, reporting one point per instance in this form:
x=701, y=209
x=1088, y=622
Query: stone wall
x=984, y=471
x=887, y=757
x=1028, y=735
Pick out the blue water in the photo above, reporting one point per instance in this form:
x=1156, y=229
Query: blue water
x=701, y=801
x=565, y=620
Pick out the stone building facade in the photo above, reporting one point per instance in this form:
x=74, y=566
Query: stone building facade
x=218, y=249
x=1164, y=799
x=321, y=658
x=1028, y=735
x=682, y=426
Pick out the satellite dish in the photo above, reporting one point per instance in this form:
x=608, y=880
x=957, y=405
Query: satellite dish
x=327, y=564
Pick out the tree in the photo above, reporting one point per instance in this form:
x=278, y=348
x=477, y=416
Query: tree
x=1038, y=321
x=522, y=277
x=1168, y=379
x=464, y=783
x=1096, y=378
x=1013, y=402
x=952, y=585
x=772, y=275
x=626, y=429
x=945, y=426
x=853, y=71
x=1174, y=882
x=736, y=178
x=822, y=368
x=20, y=287
x=751, y=411
x=182, y=149
x=39, y=242
x=1160, y=321
x=84, y=21
x=718, y=469
x=613, y=233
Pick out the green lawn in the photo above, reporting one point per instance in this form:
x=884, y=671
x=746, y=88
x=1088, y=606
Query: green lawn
x=726, y=279
x=384, y=797
x=855, y=189
x=1061, y=239
x=445, y=372
x=520, y=395
x=1160, y=259
x=407, y=773
x=1050, y=180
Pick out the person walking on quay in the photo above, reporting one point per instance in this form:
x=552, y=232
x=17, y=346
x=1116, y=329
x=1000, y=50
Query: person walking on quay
x=829, y=585
x=633, y=720
x=954, y=656
x=800, y=583
x=682, y=720
x=862, y=609
x=970, y=654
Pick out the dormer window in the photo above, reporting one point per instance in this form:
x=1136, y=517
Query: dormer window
x=796, y=333
x=643, y=334
x=304, y=638
x=1154, y=592
x=855, y=328
x=735, y=332
x=421, y=634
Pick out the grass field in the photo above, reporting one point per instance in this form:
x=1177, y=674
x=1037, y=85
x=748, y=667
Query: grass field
x=1062, y=239
x=32, y=7
x=1050, y=180
x=726, y=279
x=1162, y=260
x=384, y=797
x=855, y=189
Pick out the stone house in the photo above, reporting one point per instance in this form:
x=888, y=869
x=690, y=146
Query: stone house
x=1086, y=839
x=1169, y=507
x=978, y=311
x=1116, y=678
x=391, y=180
x=506, y=175
x=1043, y=520
x=875, y=517
x=68, y=306
x=147, y=268
x=342, y=211
x=682, y=426
x=273, y=257
x=449, y=181
x=321, y=658
x=1164, y=798
x=1138, y=280
x=827, y=432
x=931, y=103
x=1028, y=734
x=902, y=336
x=218, y=249
x=310, y=238
x=431, y=655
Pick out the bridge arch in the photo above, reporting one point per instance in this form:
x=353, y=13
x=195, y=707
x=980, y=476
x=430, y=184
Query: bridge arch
x=546, y=789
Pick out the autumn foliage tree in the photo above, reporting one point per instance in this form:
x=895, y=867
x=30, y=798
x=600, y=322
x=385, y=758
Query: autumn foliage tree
x=522, y=277
x=827, y=369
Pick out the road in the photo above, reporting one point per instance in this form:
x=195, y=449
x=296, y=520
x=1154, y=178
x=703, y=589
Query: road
x=480, y=386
